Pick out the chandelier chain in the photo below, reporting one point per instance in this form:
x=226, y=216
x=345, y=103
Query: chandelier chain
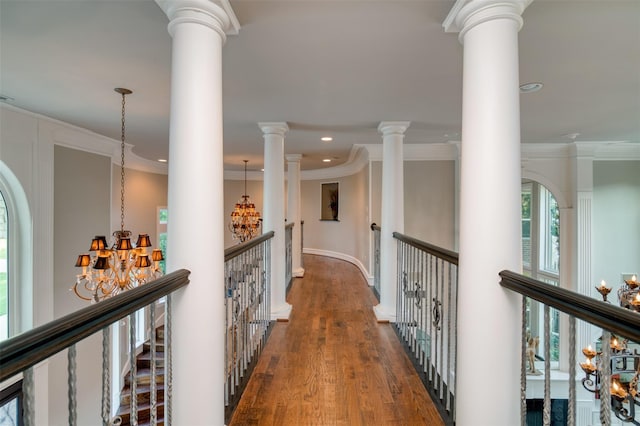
x=122, y=168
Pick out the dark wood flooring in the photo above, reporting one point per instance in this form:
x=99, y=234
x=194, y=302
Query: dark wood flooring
x=332, y=363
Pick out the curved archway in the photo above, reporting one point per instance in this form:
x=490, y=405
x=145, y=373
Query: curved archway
x=19, y=253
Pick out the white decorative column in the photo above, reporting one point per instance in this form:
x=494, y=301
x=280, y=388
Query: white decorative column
x=586, y=334
x=392, y=215
x=489, y=332
x=273, y=213
x=293, y=212
x=197, y=217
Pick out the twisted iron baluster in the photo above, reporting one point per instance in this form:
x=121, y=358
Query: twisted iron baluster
x=152, y=338
x=106, y=375
x=546, y=409
x=571, y=411
x=523, y=364
x=134, y=370
x=71, y=382
x=28, y=405
x=168, y=359
x=605, y=380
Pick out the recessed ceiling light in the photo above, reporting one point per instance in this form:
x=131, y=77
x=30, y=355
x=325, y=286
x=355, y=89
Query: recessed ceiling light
x=327, y=160
x=326, y=138
x=262, y=170
x=530, y=87
x=162, y=160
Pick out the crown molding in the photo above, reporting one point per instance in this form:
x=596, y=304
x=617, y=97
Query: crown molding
x=418, y=152
x=78, y=138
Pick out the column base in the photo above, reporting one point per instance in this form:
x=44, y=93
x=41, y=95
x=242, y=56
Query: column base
x=298, y=273
x=281, y=312
x=383, y=315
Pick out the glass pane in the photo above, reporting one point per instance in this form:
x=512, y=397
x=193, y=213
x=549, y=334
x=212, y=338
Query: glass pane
x=4, y=285
x=9, y=413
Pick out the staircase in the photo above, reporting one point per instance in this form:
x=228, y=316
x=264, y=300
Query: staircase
x=143, y=385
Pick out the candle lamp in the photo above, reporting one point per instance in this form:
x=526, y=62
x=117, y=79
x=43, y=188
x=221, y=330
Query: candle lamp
x=617, y=390
x=588, y=367
x=589, y=352
x=603, y=290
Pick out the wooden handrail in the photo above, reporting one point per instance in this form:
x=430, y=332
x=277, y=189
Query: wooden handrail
x=235, y=251
x=29, y=348
x=442, y=253
x=622, y=322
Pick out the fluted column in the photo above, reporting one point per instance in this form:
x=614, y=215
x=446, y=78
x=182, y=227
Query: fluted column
x=197, y=216
x=488, y=315
x=273, y=207
x=392, y=215
x=293, y=212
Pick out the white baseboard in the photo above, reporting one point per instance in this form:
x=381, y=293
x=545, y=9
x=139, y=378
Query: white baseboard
x=342, y=256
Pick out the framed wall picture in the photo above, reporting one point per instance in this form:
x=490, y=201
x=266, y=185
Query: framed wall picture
x=329, y=202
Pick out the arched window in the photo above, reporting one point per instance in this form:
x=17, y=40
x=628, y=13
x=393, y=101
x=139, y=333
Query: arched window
x=4, y=269
x=541, y=255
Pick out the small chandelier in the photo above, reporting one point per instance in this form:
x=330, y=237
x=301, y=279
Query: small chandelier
x=245, y=220
x=110, y=270
x=625, y=361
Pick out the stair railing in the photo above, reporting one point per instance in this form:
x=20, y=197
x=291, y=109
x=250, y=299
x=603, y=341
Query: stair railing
x=426, y=312
x=613, y=320
x=248, y=313
x=19, y=354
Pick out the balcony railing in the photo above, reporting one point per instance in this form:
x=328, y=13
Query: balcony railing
x=615, y=359
x=20, y=354
x=426, y=316
x=248, y=306
x=376, y=260
x=288, y=244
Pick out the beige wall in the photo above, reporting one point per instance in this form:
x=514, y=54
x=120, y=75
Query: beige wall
x=429, y=200
x=144, y=193
x=350, y=234
x=81, y=210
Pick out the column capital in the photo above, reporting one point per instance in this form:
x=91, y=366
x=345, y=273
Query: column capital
x=274, y=128
x=466, y=14
x=221, y=19
x=393, y=127
x=293, y=158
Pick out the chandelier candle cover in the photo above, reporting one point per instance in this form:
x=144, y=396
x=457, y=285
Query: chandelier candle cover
x=108, y=271
x=245, y=220
x=624, y=358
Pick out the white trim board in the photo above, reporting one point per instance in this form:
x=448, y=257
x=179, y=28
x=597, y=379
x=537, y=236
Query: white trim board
x=342, y=256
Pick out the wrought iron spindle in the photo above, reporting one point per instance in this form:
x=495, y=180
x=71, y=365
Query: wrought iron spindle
x=152, y=348
x=72, y=383
x=106, y=376
x=546, y=409
x=133, y=370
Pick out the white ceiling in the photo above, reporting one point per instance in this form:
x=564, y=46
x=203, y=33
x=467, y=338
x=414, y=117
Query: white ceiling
x=333, y=68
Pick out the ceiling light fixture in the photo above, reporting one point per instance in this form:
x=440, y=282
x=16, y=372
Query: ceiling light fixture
x=245, y=220
x=326, y=160
x=108, y=271
x=162, y=160
x=326, y=138
x=530, y=87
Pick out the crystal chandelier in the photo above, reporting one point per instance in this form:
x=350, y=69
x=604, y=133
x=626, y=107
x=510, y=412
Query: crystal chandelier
x=245, y=220
x=624, y=360
x=110, y=270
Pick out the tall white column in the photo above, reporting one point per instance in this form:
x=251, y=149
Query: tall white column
x=273, y=218
x=194, y=243
x=293, y=212
x=489, y=332
x=392, y=215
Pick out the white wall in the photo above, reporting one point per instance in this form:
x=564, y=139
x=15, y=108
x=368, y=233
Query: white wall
x=616, y=221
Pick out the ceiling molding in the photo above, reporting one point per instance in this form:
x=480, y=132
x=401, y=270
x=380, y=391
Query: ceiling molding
x=418, y=152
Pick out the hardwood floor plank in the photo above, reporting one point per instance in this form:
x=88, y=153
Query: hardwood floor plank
x=333, y=363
